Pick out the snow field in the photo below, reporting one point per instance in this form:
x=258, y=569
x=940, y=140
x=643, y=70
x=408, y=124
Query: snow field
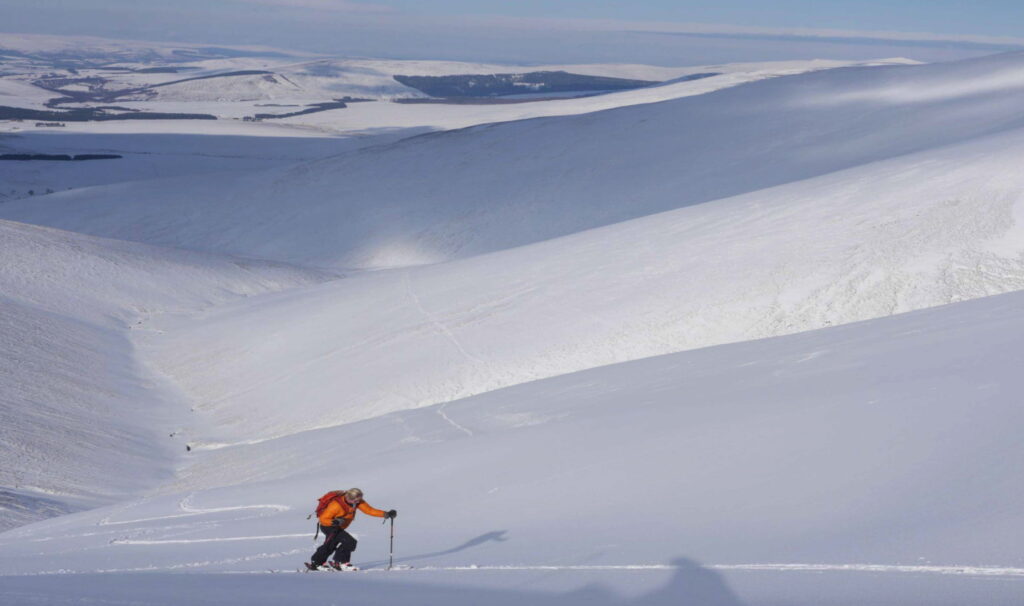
x=83, y=421
x=787, y=455
x=162, y=149
x=899, y=235
x=550, y=177
x=14, y=93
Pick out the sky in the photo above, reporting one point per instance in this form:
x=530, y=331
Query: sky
x=991, y=17
x=664, y=32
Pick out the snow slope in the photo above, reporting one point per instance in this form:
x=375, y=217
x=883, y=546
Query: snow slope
x=262, y=87
x=889, y=237
x=82, y=419
x=14, y=93
x=161, y=149
x=463, y=193
x=187, y=147
x=881, y=455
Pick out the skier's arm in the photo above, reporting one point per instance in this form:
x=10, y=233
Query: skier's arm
x=368, y=510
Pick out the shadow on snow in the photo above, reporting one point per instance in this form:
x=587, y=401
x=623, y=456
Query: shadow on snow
x=690, y=585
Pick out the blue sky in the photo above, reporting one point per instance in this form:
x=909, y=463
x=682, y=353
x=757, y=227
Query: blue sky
x=536, y=31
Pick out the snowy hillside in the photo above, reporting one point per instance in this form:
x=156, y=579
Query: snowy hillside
x=874, y=459
x=401, y=204
x=893, y=236
x=132, y=79
x=160, y=149
x=14, y=93
x=82, y=419
x=897, y=233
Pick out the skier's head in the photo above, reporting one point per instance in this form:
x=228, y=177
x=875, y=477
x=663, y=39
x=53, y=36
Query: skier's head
x=354, y=496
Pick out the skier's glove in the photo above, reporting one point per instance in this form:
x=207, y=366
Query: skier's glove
x=336, y=522
x=391, y=515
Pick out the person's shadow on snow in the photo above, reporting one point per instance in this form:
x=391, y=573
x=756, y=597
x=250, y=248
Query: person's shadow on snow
x=495, y=536
x=691, y=585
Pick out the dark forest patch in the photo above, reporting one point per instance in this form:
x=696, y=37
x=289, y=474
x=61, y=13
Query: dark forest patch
x=59, y=157
x=91, y=114
x=496, y=85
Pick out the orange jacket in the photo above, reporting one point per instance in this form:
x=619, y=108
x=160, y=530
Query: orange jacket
x=339, y=508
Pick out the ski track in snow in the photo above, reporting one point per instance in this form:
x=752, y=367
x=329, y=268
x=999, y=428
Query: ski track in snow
x=214, y=540
x=444, y=415
x=972, y=571
x=987, y=571
x=440, y=326
x=447, y=333
x=189, y=510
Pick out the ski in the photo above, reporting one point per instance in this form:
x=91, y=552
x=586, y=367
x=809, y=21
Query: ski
x=325, y=568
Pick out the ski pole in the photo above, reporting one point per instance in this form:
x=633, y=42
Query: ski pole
x=391, y=549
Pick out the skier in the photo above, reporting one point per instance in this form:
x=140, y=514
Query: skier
x=336, y=511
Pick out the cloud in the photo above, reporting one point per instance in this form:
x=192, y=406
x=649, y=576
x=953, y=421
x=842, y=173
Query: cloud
x=711, y=29
x=341, y=6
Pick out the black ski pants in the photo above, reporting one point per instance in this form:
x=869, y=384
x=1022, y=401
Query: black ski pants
x=338, y=541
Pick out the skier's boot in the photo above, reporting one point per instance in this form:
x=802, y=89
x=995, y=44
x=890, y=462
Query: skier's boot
x=346, y=567
x=313, y=567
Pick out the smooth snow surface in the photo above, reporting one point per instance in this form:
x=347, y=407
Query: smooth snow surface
x=892, y=236
x=158, y=149
x=20, y=94
x=866, y=451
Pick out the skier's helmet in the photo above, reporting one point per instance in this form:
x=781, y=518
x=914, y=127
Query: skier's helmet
x=353, y=495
